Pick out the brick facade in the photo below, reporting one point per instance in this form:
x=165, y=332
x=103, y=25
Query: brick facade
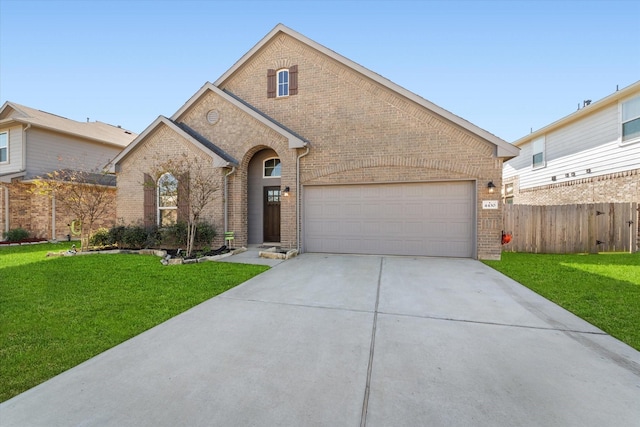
x=33, y=212
x=611, y=188
x=360, y=131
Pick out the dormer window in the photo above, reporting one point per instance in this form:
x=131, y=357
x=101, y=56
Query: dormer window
x=282, y=83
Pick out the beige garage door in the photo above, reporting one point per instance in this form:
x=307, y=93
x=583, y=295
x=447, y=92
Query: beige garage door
x=429, y=219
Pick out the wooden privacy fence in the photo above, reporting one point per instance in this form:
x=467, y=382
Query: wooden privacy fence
x=591, y=228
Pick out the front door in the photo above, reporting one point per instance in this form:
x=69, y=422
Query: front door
x=272, y=214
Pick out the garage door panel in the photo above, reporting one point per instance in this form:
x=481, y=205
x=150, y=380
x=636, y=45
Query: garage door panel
x=432, y=219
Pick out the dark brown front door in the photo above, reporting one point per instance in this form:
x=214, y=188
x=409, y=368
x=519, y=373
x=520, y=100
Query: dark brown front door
x=272, y=214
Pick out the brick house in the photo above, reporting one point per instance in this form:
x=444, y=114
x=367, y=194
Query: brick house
x=34, y=143
x=589, y=156
x=313, y=151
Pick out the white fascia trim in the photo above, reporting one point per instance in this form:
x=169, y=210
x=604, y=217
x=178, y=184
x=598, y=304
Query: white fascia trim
x=35, y=124
x=217, y=160
x=589, y=109
x=504, y=149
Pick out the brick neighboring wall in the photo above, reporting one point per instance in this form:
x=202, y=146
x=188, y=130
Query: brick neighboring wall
x=611, y=188
x=33, y=212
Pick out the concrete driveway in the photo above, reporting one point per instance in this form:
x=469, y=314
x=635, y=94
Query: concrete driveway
x=324, y=340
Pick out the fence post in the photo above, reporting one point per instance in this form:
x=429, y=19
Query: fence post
x=634, y=227
x=592, y=233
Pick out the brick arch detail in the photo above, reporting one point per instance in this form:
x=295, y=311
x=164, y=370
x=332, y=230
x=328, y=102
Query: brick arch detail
x=244, y=163
x=238, y=188
x=394, y=161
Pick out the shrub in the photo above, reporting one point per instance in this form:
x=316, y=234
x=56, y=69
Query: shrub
x=175, y=235
x=16, y=235
x=116, y=235
x=134, y=237
x=205, y=233
x=101, y=238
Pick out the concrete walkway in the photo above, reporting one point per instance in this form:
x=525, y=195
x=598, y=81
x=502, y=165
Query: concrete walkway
x=322, y=340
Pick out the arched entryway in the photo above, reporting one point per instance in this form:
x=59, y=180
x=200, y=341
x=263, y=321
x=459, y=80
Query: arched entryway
x=263, y=199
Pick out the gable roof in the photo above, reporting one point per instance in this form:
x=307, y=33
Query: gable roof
x=220, y=158
x=503, y=148
x=205, y=142
x=295, y=140
x=96, y=131
x=582, y=113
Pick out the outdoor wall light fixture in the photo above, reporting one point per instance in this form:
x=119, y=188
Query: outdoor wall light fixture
x=491, y=186
x=285, y=193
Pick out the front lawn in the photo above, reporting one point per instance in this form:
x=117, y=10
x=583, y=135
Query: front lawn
x=59, y=311
x=603, y=289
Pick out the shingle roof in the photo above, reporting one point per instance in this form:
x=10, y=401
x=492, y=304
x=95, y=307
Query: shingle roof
x=504, y=149
x=275, y=122
x=97, y=131
x=204, y=141
x=78, y=177
x=295, y=140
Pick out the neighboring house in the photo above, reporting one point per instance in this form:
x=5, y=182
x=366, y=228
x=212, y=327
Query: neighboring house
x=590, y=156
x=34, y=143
x=315, y=152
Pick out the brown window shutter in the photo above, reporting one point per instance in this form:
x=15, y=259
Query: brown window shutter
x=149, y=218
x=271, y=83
x=293, y=80
x=183, y=198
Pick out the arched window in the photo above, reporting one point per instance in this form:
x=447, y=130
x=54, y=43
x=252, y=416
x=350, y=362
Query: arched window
x=167, y=200
x=283, y=83
x=272, y=168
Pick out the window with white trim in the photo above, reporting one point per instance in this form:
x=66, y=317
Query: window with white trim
x=4, y=147
x=272, y=168
x=283, y=83
x=507, y=194
x=630, y=120
x=167, y=200
x=538, y=157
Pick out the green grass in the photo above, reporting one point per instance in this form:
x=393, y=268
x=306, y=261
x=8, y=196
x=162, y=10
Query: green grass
x=603, y=289
x=56, y=312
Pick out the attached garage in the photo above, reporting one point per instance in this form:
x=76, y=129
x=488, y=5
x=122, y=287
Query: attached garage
x=426, y=219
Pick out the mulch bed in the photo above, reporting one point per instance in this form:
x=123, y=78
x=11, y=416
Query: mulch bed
x=24, y=241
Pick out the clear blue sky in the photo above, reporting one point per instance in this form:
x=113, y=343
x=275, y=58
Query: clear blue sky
x=506, y=66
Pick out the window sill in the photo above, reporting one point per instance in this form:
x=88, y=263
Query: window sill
x=622, y=143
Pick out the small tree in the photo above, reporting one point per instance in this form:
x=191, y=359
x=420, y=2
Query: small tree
x=84, y=195
x=197, y=187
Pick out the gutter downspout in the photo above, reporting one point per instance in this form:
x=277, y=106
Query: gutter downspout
x=298, y=198
x=226, y=200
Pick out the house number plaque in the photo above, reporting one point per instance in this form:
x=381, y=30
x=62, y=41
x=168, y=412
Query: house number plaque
x=489, y=204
